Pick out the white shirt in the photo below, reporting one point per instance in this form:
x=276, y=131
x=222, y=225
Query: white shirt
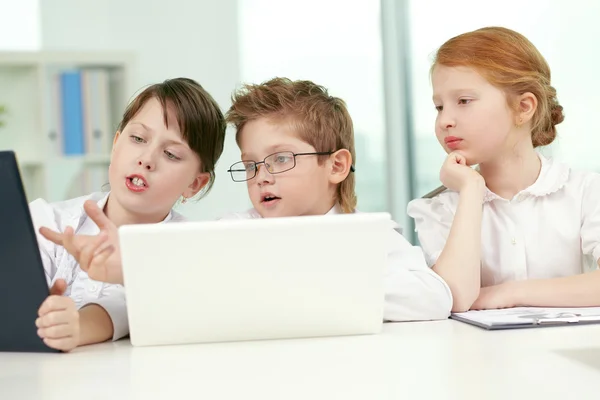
x=413, y=292
x=551, y=229
x=59, y=264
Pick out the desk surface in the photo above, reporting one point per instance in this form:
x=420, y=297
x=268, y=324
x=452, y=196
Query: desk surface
x=428, y=360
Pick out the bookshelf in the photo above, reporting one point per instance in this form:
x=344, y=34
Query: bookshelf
x=61, y=110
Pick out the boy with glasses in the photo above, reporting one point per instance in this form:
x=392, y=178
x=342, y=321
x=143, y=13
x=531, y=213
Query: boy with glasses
x=297, y=146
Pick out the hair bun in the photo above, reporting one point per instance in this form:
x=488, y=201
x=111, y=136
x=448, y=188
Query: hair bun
x=556, y=114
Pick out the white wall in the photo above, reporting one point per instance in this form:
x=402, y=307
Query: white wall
x=196, y=39
x=19, y=25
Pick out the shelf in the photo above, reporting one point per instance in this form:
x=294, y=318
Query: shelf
x=30, y=89
x=30, y=163
x=101, y=159
x=91, y=159
x=82, y=59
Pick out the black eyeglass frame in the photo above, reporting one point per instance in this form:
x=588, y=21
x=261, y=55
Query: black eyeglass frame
x=257, y=163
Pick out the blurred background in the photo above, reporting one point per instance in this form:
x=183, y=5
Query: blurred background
x=374, y=54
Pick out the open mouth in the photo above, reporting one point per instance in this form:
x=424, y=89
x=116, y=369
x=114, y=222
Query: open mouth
x=269, y=199
x=136, y=183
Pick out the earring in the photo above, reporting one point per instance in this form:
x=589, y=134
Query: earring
x=183, y=199
x=520, y=123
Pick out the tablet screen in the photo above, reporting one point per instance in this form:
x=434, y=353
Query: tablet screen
x=23, y=285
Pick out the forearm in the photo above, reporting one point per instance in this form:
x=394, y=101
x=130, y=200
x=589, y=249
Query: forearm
x=459, y=264
x=571, y=291
x=417, y=295
x=95, y=325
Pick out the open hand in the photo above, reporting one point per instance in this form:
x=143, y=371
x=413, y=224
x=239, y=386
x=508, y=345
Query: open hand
x=99, y=255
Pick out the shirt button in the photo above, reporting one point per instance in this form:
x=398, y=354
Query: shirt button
x=93, y=288
x=513, y=241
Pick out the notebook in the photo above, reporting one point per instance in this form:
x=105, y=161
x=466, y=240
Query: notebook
x=529, y=317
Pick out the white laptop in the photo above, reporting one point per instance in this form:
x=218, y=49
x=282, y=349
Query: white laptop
x=233, y=280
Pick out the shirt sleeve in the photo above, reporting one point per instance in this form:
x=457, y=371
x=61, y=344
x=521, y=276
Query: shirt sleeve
x=413, y=292
x=590, y=217
x=42, y=214
x=433, y=220
x=112, y=299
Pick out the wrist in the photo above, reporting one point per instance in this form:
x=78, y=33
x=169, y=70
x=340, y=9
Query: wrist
x=475, y=187
x=79, y=330
x=515, y=290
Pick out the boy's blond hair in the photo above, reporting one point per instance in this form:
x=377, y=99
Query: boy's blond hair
x=317, y=118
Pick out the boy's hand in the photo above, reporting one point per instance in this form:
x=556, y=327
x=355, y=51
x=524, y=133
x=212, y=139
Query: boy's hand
x=58, y=322
x=100, y=255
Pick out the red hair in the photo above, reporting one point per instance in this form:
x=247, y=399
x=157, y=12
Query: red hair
x=509, y=61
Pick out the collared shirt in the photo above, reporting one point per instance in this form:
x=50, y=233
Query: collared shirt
x=413, y=291
x=550, y=229
x=59, y=264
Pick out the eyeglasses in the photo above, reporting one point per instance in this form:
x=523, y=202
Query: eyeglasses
x=275, y=163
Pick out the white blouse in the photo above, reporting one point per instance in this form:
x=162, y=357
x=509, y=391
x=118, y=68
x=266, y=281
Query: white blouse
x=413, y=291
x=59, y=264
x=551, y=229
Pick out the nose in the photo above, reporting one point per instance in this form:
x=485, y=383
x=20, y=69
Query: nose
x=263, y=176
x=146, y=161
x=446, y=120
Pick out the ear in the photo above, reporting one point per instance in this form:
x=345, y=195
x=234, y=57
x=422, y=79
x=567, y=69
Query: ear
x=341, y=164
x=117, y=135
x=199, y=182
x=527, y=104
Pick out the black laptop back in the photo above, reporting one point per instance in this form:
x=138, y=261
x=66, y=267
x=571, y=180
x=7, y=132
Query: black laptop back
x=23, y=286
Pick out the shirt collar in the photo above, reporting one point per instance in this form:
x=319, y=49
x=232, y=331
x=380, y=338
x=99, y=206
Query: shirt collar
x=103, y=199
x=553, y=177
x=336, y=209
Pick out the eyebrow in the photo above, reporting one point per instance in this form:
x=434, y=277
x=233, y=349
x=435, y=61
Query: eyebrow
x=168, y=141
x=455, y=92
x=276, y=149
x=176, y=142
x=271, y=150
x=146, y=127
x=281, y=147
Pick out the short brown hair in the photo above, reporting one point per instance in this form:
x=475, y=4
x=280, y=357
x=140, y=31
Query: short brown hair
x=509, y=61
x=319, y=119
x=200, y=119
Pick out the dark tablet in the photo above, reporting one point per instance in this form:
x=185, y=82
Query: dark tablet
x=23, y=286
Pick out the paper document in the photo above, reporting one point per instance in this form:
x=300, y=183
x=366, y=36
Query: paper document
x=529, y=317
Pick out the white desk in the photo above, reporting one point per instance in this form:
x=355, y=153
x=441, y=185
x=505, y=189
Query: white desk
x=431, y=360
